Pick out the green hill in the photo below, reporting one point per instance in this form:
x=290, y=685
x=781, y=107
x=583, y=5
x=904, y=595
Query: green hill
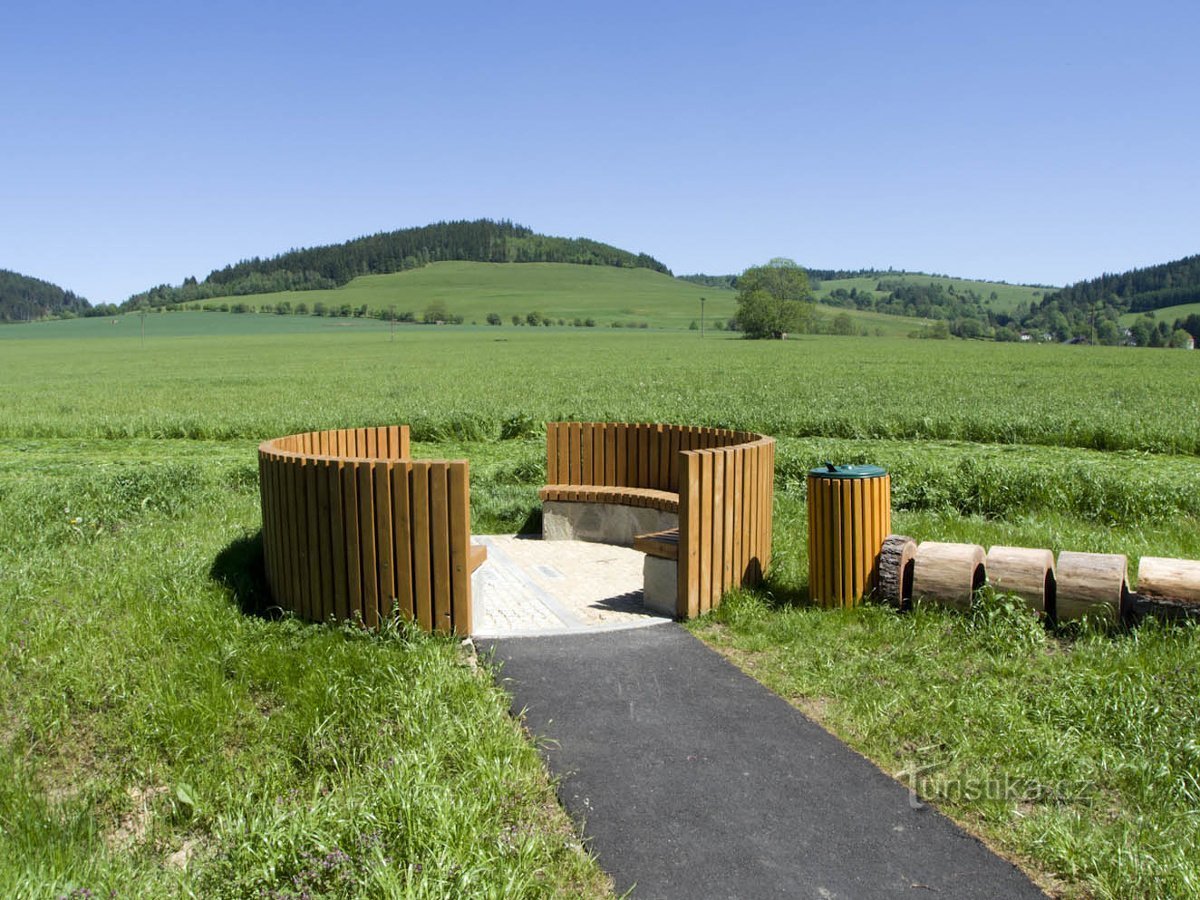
x=556, y=291
x=335, y=265
x=994, y=297
x=24, y=299
x=1169, y=314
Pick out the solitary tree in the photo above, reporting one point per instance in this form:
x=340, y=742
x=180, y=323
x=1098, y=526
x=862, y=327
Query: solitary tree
x=773, y=299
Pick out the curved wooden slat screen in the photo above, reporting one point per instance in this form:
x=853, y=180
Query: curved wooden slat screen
x=726, y=485
x=353, y=529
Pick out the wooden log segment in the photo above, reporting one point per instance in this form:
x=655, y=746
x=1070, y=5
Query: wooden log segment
x=1091, y=583
x=896, y=569
x=948, y=574
x=1169, y=579
x=1027, y=573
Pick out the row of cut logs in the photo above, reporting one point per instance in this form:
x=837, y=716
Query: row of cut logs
x=1080, y=584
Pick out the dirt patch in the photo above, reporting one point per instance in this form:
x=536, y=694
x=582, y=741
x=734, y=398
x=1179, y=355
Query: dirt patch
x=134, y=822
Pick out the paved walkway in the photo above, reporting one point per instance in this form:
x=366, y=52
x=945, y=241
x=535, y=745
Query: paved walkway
x=691, y=780
x=529, y=586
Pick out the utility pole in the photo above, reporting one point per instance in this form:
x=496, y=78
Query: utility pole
x=701, y=318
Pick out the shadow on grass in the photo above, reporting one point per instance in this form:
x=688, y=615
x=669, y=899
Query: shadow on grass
x=239, y=568
x=784, y=595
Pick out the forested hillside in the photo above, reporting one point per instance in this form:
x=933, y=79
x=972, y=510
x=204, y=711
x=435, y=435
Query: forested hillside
x=23, y=299
x=333, y=266
x=1092, y=309
x=1138, y=290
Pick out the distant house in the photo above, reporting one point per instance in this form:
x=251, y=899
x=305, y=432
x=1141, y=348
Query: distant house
x=1026, y=336
x=1190, y=343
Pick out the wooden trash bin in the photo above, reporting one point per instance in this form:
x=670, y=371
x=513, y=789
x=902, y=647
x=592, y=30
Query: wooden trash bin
x=849, y=515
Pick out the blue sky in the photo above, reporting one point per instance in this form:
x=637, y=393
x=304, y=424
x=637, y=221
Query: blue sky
x=1037, y=142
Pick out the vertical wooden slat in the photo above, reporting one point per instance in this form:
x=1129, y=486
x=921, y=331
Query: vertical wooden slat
x=622, y=460
x=366, y=538
x=299, y=535
x=341, y=609
x=673, y=472
x=402, y=539
x=421, y=546
x=384, y=551
x=460, y=540
x=631, y=456
x=573, y=431
x=706, y=523
x=564, y=454
x=610, y=454
x=552, y=453
x=372, y=443
x=439, y=495
x=727, y=527
x=737, y=557
x=324, y=540
x=353, y=550
x=287, y=589
x=313, y=504
x=585, y=453
x=654, y=434
x=860, y=536
x=643, y=464
x=718, y=527
x=688, y=565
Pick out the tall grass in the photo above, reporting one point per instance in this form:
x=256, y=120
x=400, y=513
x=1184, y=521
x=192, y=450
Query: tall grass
x=161, y=734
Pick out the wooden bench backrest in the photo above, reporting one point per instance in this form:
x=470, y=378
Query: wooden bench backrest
x=618, y=454
x=726, y=485
x=362, y=535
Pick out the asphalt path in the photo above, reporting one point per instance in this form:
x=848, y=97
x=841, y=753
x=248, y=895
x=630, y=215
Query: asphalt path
x=691, y=780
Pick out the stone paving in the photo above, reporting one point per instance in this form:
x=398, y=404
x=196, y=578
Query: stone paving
x=529, y=586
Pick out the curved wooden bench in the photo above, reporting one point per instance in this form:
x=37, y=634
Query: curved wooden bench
x=354, y=529
x=714, y=486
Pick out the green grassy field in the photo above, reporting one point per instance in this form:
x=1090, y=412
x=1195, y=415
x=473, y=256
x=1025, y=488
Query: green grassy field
x=1008, y=296
x=556, y=290
x=158, y=738
x=1167, y=314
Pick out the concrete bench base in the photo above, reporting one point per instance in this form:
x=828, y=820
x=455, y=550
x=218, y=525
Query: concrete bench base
x=605, y=523
x=659, y=586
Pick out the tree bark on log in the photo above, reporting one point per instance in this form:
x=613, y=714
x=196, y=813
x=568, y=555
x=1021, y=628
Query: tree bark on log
x=895, y=569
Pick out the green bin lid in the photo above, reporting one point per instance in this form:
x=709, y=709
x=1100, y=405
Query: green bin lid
x=829, y=470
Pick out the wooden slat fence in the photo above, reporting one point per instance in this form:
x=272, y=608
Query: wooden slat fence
x=725, y=480
x=353, y=530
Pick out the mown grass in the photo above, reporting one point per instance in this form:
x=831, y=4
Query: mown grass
x=1074, y=752
x=161, y=734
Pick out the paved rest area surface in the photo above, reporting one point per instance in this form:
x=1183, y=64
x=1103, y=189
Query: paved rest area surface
x=691, y=780
x=528, y=586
